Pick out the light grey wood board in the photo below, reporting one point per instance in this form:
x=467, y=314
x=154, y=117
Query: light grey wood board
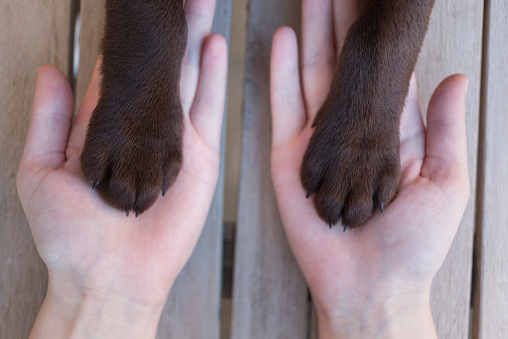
x=454, y=45
x=193, y=306
x=491, y=297
x=269, y=293
x=92, y=24
x=446, y=52
x=31, y=34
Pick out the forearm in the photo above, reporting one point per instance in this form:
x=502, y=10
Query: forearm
x=78, y=315
x=408, y=319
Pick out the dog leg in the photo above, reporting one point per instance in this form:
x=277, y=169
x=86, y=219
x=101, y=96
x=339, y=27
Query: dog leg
x=352, y=163
x=133, y=147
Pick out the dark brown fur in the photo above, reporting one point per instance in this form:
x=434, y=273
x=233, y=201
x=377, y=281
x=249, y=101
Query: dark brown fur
x=133, y=148
x=352, y=163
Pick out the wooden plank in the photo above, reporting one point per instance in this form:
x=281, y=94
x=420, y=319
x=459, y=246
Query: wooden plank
x=31, y=34
x=269, y=293
x=193, y=306
x=235, y=106
x=92, y=24
x=453, y=45
x=491, y=303
x=191, y=310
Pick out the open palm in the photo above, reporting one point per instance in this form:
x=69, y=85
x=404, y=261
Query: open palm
x=397, y=252
x=89, y=245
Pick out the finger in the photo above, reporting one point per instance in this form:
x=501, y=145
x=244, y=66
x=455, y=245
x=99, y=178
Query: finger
x=318, y=52
x=345, y=13
x=446, y=149
x=412, y=138
x=208, y=108
x=80, y=125
x=51, y=118
x=199, y=15
x=288, y=112
x=411, y=119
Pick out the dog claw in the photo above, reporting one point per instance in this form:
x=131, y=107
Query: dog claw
x=330, y=225
x=382, y=207
x=137, y=214
x=127, y=212
x=309, y=193
x=346, y=227
x=163, y=190
x=95, y=184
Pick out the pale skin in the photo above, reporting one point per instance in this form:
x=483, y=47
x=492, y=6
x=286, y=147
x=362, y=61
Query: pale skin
x=110, y=275
x=373, y=281
x=107, y=270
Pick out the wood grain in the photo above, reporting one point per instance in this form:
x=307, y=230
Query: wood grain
x=31, y=34
x=92, y=24
x=491, y=303
x=269, y=293
x=193, y=306
x=453, y=45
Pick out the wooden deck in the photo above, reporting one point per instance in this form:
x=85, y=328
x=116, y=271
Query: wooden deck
x=269, y=297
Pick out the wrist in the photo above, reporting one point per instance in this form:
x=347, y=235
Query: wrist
x=69, y=312
x=402, y=316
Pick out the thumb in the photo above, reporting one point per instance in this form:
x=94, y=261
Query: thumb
x=51, y=118
x=208, y=108
x=287, y=104
x=446, y=144
x=49, y=127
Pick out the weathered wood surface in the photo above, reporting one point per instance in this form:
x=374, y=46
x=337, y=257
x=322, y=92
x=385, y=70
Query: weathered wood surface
x=192, y=309
x=44, y=38
x=270, y=296
x=491, y=294
x=454, y=45
x=32, y=34
x=269, y=293
x=92, y=23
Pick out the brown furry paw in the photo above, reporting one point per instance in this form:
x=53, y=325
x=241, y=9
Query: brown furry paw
x=130, y=160
x=133, y=148
x=351, y=167
x=352, y=162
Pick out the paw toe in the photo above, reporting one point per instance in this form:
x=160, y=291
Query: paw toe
x=387, y=187
x=94, y=164
x=118, y=193
x=171, y=169
x=358, y=208
x=311, y=175
x=329, y=204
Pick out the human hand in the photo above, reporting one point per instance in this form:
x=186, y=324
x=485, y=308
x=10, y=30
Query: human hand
x=110, y=274
x=375, y=279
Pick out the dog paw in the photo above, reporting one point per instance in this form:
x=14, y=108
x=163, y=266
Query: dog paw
x=351, y=166
x=129, y=161
x=133, y=147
